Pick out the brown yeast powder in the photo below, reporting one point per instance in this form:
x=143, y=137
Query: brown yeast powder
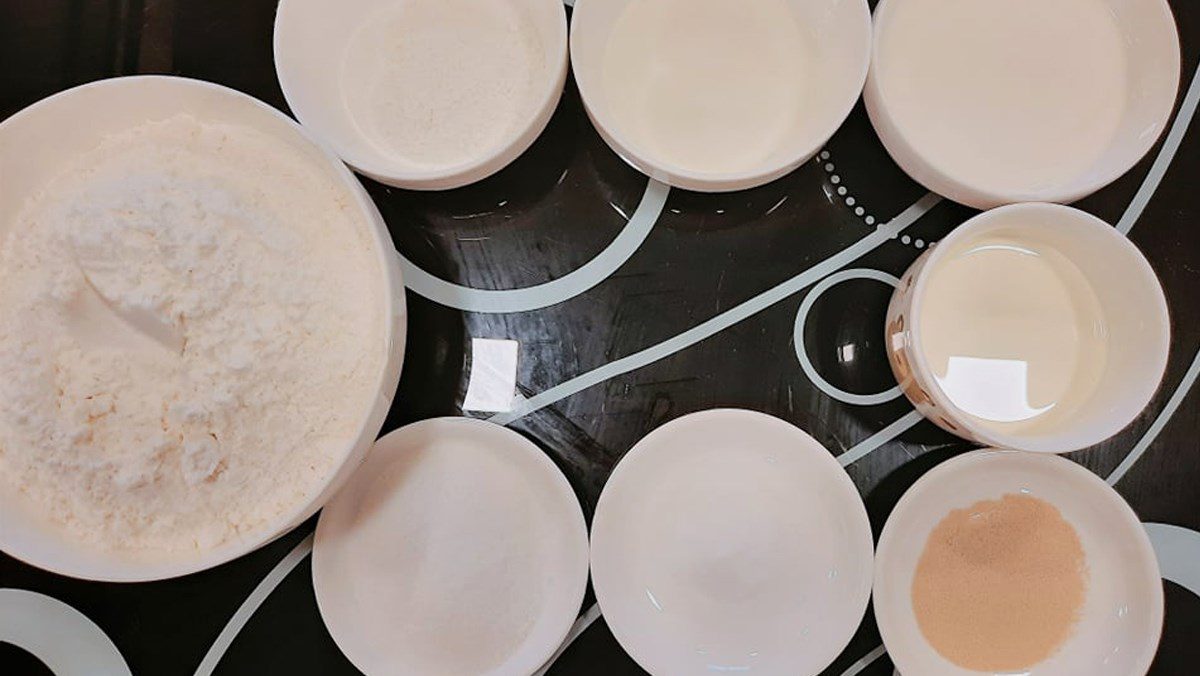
x=1000, y=584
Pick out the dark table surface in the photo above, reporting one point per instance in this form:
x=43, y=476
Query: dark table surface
x=614, y=361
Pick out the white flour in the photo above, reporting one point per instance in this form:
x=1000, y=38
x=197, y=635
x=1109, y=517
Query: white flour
x=436, y=83
x=189, y=338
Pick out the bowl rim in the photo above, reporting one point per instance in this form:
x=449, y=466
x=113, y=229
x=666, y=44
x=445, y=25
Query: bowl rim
x=964, y=462
x=986, y=435
x=515, y=142
x=708, y=181
x=919, y=166
x=393, y=315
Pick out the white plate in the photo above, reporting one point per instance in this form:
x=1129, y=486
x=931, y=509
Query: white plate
x=1121, y=621
x=731, y=541
x=457, y=548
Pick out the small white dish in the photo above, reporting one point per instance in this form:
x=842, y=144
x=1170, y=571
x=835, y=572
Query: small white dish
x=424, y=110
x=1137, y=329
x=1121, y=620
x=997, y=103
x=457, y=548
x=699, y=64
x=37, y=143
x=730, y=541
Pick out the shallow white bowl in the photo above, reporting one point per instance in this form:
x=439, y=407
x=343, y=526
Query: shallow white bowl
x=841, y=33
x=1122, y=616
x=1151, y=44
x=34, y=145
x=729, y=541
x=458, y=548
x=1130, y=295
x=310, y=43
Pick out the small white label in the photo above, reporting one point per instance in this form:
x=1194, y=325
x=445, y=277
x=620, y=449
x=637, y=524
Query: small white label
x=493, y=375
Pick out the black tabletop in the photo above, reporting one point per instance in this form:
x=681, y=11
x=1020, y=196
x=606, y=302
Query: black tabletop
x=690, y=302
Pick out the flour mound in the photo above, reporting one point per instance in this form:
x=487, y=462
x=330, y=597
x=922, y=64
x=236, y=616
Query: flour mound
x=190, y=337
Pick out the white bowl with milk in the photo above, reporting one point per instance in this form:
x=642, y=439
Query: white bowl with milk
x=715, y=96
x=1034, y=327
x=992, y=103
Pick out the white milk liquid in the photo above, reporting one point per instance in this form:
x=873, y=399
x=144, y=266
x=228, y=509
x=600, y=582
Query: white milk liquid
x=438, y=83
x=708, y=85
x=1009, y=95
x=1013, y=332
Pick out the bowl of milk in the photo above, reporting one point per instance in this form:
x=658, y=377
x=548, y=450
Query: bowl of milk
x=1034, y=327
x=714, y=96
x=992, y=103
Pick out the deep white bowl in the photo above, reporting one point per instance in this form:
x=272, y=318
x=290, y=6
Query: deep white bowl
x=34, y=145
x=310, y=43
x=1121, y=620
x=1127, y=289
x=840, y=31
x=1150, y=42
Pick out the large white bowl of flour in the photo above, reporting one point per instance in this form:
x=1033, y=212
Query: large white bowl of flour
x=201, y=328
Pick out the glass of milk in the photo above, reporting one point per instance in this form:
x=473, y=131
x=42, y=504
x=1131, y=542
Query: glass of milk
x=1036, y=327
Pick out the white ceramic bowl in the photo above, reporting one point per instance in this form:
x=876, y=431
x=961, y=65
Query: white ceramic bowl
x=311, y=44
x=730, y=541
x=34, y=145
x=1121, y=620
x=985, y=152
x=1130, y=297
x=458, y=548
x=839, y=32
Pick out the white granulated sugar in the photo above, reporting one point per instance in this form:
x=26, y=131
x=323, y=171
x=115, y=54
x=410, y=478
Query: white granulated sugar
x=190, y=337
x=436, y=83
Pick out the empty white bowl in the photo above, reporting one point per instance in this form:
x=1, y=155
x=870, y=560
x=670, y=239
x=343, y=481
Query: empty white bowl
x=687, y=72
x=37, y=142
x=1136, y=328
x=457, y=548
x=1121, y=620
x=429, y=110
x=996, y=103
x=731, y=541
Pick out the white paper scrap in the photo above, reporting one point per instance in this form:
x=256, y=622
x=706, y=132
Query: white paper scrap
x=493, y=379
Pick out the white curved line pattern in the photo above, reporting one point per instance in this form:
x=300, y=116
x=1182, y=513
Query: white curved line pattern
x=587, y=619
x=1167, y=153
x=864, y=662
x=64, y=639
x=802, y=353
x=245, y=611
x=868, y=445
x=1178, y=553
x=724, y=320
x=1159, y=423
x=553, y=292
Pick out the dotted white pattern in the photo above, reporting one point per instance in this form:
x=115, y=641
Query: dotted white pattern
x=825, y=160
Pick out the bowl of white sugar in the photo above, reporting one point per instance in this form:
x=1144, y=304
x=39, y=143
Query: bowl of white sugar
x=712, y=95
x=423, y=94
x=992, y=103
x=203, y=326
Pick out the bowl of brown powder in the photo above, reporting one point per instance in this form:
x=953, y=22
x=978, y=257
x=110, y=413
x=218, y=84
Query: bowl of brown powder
x=1010, y=562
